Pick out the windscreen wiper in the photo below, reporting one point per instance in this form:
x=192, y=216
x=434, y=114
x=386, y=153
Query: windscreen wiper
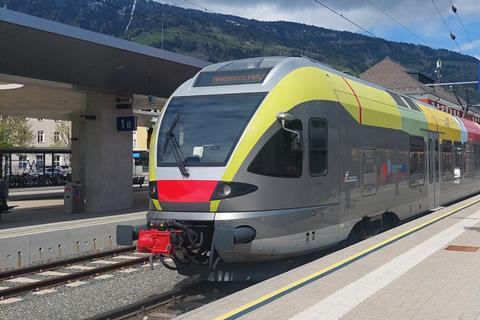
x=177, y=150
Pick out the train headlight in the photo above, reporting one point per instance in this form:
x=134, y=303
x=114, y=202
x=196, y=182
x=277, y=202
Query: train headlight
x=226, y=190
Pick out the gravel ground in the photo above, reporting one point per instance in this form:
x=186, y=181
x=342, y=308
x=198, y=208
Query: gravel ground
x=95, y=297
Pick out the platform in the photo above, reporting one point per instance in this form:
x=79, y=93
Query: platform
x=428, y=268
x=42, y=209
x=38, y=231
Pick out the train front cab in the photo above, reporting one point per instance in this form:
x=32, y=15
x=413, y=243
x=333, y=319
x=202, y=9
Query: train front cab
x=255, y=185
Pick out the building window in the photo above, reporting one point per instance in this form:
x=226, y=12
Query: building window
x=417, y=161
x=22, y=161
x=447, y=160
x=56, y=160
x=277, y=158
x=40, y=136
x=317, y=139
x=39, y=161
x=56, y=137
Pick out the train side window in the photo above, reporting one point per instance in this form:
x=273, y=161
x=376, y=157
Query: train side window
x=457, y=159
x=417, y=161
x=276, y=158
x=318, y=146
x=447, y=170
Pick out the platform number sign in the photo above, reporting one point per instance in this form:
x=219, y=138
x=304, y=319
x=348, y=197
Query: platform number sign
x=126, y=123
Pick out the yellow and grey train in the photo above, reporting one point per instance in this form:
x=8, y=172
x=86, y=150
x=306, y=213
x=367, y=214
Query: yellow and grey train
x=267, y=158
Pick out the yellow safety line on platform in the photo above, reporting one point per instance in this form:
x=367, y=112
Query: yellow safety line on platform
x=233, y=313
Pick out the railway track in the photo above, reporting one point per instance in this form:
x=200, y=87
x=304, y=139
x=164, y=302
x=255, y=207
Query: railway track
x=56, y=278
x=173, y=303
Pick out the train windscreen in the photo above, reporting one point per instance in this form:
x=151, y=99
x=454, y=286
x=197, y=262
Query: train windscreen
x=203, y=130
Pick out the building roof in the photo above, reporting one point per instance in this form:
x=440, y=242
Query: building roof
x=47, y=50
x=395, y=76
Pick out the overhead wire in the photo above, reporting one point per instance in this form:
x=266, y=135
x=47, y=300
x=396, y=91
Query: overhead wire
x=398, y=22
x=454, y=9
x=199, y=6
x=452, y=35
x=343, y=17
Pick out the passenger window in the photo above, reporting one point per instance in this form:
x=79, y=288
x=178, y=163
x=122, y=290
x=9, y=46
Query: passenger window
x=318, y=146
x=277, y=157
x=417, y=161
x=457, y=159
x=447, y=171
x=369, y=172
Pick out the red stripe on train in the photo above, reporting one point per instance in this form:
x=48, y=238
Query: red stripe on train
x=185, y=190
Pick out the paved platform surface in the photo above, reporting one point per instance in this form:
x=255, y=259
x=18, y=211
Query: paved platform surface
x=41, y=211
x=404, y=273
x=48, y=192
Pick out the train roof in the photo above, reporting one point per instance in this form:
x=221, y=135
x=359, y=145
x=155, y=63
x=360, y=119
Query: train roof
x=262, y=74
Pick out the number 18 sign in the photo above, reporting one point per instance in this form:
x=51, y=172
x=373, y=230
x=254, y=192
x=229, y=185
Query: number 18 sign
x=126, y=123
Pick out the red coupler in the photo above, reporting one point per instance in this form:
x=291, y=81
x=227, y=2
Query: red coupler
x=155, y=241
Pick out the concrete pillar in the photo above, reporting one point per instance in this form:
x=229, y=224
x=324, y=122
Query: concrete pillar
x=105, y=155
x=78, y=155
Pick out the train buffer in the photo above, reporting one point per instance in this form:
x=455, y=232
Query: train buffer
x=428, y=268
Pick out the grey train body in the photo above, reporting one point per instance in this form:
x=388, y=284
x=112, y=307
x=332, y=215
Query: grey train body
x=294, y=216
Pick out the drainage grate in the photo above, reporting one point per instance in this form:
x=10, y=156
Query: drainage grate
x=462, y=248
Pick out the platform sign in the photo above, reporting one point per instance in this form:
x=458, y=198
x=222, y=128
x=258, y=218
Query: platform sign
x=126, y=123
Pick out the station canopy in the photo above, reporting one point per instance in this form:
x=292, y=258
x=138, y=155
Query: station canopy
x=70, y=58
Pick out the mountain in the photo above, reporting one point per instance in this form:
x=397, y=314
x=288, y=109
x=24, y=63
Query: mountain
x=217, y=37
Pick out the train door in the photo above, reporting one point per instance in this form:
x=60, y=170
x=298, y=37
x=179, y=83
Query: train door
x=322, y=150
x=323, y=155
x=433, y=165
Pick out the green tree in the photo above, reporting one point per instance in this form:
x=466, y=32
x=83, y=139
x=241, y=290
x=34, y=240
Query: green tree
x=64, y=139
x=15, y=132
x=64, y=136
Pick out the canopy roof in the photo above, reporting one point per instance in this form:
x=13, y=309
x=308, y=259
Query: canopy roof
x=42, y=49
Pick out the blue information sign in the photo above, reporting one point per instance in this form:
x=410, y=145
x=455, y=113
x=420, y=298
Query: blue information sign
x=126, y=123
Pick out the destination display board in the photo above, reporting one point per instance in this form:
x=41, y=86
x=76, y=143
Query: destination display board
x=225, y=78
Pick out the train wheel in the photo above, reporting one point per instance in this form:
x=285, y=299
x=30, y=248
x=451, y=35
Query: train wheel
x=356, y=235
x=390, y=221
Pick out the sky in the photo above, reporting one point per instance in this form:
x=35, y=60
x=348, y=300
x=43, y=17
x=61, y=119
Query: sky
x=424, y=24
